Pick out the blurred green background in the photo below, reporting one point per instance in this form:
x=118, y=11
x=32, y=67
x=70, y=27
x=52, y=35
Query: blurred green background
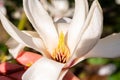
x=86, y=70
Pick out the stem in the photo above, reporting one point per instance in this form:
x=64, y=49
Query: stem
x=22, y=22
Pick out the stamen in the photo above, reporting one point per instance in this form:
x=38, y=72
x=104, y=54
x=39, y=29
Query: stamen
x=61, y=53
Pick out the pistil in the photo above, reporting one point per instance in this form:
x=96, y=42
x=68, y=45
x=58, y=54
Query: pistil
x=61, y=53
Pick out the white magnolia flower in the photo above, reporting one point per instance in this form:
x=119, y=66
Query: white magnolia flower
x=107, y=69
x=63, y=43
x=117, y=2
x=58, y=8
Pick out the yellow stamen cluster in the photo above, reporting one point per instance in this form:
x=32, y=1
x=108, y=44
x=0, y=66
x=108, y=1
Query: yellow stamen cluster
x=61, y=53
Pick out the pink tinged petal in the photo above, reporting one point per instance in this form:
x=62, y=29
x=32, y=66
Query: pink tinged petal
x=16, y=75
x=70, y=76
x=108, y=47
x=18, y=35
x=91, y=35
x=76, y=26
x=5, y=78
x=28, y=58
x=6, y=68
x=42, y=22
x=43, y=69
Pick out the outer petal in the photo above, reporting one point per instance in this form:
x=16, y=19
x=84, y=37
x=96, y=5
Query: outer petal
x=63, y=73
x=43, y=69
x=108, y=47
x=92, y=33
x=70, y=76
x=42, y=22
x=37, y=40
x=81, y=10
x=27, y=58
x=15, y=47
x=18, y=35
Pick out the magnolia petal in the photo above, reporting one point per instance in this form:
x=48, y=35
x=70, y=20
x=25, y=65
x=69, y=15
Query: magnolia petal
x=58, y=8
x=43, y=69
x=108, y=47
x=69, y=13
x=81, y=11
x=70, y=76
x=37, y=41
x=16, y=34
x=27, y=58
x=63, y=73
x=92, y=33
x=63, y=20
x=32, y=33
x=42, y=22
x=60, y=5
x=14, y=47
x=62, y=25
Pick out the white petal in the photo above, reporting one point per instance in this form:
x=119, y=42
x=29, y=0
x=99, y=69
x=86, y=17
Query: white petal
x=61, y=5
x=63, y=20
x=14, y=47
x=57, y=8
x=108, y=47
x=107, y=70
x=91, y=34
x=31, y=33
x=37, y=41
x=16, y=34
x=43, y=69
x=63, y=73
x=42, y=22
x=76, y=26
x=62, y=25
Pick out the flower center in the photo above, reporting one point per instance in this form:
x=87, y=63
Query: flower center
x=61, y=53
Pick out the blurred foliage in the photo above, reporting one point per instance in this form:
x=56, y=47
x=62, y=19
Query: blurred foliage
x=97, y=61
x=87, y=69
x=115, y=76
